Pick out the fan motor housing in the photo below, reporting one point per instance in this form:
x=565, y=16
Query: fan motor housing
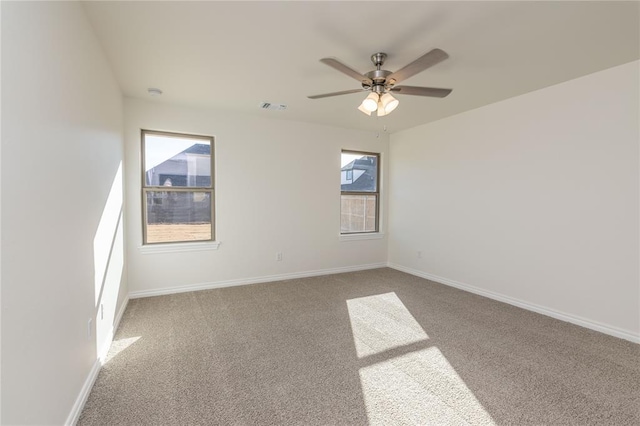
x=379, y=79
x=378, y=75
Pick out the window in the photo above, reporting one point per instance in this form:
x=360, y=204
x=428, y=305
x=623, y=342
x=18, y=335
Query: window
x=360, y=193
x=177, y=187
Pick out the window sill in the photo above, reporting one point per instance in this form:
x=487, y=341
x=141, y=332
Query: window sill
x=363, y=236
x=179, y=247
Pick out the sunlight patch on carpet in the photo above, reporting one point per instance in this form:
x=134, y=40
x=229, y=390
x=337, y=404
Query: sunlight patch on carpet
x=382, y=322
x=420, y=387
x=118, y=346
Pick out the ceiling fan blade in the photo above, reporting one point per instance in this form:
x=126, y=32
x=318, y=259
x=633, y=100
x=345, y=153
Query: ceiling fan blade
x=422, y=63
x=344, y=92
x=345, y=69
x=433, y=92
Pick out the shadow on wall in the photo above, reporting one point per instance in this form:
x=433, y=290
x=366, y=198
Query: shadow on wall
x=108, y=255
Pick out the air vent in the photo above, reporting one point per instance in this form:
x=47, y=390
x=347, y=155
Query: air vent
x=269, y=105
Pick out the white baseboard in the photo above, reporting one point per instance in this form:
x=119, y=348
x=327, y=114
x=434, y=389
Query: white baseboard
x=116, y=322
x=76, y=410
x=574, y=319
x=74, y=415
x=255, y=280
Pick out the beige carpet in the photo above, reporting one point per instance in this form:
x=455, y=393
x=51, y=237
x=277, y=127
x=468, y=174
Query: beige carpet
x=374, y=347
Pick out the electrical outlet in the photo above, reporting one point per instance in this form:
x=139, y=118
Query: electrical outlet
x=89, y=328
x=279, y=256
x=419, y=255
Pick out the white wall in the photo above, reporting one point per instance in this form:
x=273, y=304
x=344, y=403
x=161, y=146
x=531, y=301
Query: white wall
x=277, y=190
x=534, y=198
x=62, y=255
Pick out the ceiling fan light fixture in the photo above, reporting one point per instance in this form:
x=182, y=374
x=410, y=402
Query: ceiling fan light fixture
x=381, y=111
x=389, y=103
x=370, y=103
x=363, y=109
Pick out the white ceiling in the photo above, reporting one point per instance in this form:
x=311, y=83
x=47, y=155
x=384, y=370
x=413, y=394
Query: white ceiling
x=234, y=55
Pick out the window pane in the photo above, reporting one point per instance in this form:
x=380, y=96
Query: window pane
x=178, y=216
x=177, y=161
x=359, y=172
x=358, y=213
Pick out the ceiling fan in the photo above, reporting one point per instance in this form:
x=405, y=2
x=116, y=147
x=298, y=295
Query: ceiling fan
x=381, y=83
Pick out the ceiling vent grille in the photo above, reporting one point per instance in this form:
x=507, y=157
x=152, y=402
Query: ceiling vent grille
x=269, y=105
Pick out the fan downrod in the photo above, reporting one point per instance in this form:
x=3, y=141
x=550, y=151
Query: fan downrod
x=378, y=76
